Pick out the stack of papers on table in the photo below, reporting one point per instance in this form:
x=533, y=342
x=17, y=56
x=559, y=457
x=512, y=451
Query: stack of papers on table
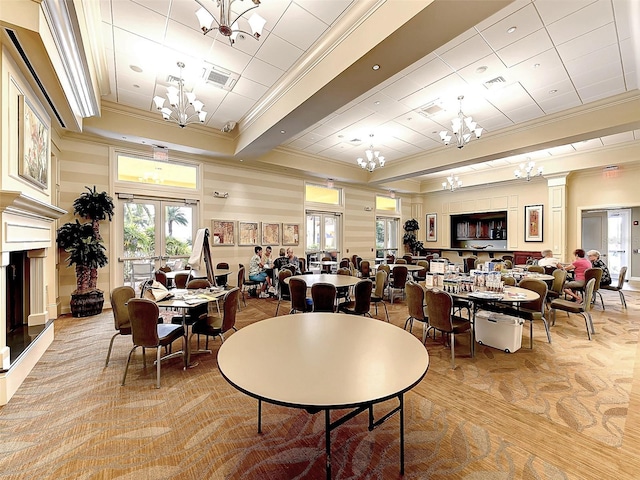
x=486, y=295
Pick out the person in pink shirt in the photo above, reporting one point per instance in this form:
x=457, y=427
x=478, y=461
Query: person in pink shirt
x=579, y=266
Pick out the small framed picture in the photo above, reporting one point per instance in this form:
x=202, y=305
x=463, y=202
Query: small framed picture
x=432, y=227
x=223, y=232
x=533, y=223
x=270, y=233
x=290, y=234
x=248, y=233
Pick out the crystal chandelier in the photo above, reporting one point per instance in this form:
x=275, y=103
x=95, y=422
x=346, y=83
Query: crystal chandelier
x=185, y=109
x=462, y=128
x=526, y=170
x=452, y=183
x=227, y=27
x=374, y=159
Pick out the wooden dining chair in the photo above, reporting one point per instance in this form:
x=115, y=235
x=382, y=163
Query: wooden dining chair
x=222, y=280
x=361, y=304
x=120, y=296
x=214, y=326
x=416, y=308
x=324, y=297
x=378, y=294
x=398, y=280
x=619, y=286
x=148, y=333
x=440, y=313
x=535, y=309
x=578, y=308
x=181, y=279
x=298, y=291
x=284, y=293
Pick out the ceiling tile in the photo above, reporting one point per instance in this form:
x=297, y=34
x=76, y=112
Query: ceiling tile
x=552, y=10
x=328, y=10
x=127, y=15
x=159, y=6
x=278, y=52
x=587, y=144
x=262, y=72
x=249, y=88
x=586, y=44
x=233, y=107
x=559, y=101
x=184, y=39
x=617, y=138
x=105, y=11
x=581, y=22
x=598, y=91
x=299, y=27
x=526, y=48
x=230, y=58
x=467, y=52
x=526, y=21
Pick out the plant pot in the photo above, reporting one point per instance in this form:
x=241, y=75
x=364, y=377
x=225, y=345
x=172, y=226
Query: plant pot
x=87, y=304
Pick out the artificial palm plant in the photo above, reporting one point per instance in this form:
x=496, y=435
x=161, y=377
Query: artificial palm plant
x=83, y=242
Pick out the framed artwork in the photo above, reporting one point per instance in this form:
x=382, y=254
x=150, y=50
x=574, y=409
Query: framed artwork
x=270, y=233
x=290, y=234
x=223, y=232
x=248, y=233
x=432, y=227
x=533, y=223
x=33, y=145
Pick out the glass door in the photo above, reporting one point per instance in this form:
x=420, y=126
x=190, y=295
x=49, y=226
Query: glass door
x=155, y=233
x=386, y=237
x=619, y=240
x=322, y=236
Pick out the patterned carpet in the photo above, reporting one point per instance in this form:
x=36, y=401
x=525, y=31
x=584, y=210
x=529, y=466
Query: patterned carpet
x=496, y=416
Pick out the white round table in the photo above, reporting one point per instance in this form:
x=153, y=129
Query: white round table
x=334, y=279
x=325, y=361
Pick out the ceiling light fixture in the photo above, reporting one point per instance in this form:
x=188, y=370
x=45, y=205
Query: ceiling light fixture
x=452, y=183
x=526, y=170
x=374, y=159
x=227, y=27
x=185, y=109
x=462, y=128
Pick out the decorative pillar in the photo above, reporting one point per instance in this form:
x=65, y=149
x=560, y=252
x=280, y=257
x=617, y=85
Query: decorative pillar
x=557, y=223
x=37, y=299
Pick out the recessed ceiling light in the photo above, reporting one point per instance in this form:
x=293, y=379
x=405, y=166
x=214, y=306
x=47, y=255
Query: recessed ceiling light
x=409, y=119
x=481, y=69
x=536, y=65
x=512, y=29
x=553, y=91
x=283, y=131
x=135, y=68
x=135, y=85
x=377, y=103
x=376, y=67
x=340, y=136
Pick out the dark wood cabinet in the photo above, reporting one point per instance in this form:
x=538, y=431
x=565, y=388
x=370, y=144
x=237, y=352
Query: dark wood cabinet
x=486, y=230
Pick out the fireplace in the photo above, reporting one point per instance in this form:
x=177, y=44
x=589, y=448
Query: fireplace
x=28, y=284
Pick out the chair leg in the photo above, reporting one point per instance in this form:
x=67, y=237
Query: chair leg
x=158, y=353
x=409, y=321
x=452, y=341
x=531, y=334
x=586, y=321
x=124, y=377
x=546, y=327
x=601, y=299
x=110, y=346
x=623, y=301
x=387, y=311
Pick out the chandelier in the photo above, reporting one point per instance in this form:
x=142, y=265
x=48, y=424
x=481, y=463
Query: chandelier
x=374, y=159
x=227, y=27
x=526, y=170
x=185, y=109
x=452, y=183
x=462, y=128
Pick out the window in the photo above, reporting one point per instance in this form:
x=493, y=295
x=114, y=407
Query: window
x=387, y=204
x=322, y=194
x=322, y=234
x=148, y=171
x=386, y=236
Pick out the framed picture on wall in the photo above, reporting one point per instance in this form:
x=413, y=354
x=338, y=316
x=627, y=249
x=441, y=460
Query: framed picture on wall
x=223, y=232
x=533, y=223
x=248, y=233
x=270, y=233
x=290, y=234
x=432, y=227
x=33, y=145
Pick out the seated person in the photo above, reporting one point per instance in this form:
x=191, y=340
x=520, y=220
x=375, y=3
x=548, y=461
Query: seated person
x=594, y=258
x=579, y=266
x=293, y=261
x=281, y=261
x=257, y=273
x=548, y=260
x=268, y=266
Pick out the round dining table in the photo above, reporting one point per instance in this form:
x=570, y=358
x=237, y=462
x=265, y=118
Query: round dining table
x=334, y=279
x=410, y=267
x=321, y=362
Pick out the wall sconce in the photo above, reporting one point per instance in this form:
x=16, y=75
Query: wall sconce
x=368, y=209
x=220, y=194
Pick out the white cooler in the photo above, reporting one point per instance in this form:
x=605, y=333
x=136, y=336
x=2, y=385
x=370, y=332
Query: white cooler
x=496, y=330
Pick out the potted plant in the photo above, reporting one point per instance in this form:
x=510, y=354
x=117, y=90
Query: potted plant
x=409, y=239
x=85, y=247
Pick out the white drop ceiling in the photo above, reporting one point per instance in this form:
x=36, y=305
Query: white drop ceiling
x=562, y=55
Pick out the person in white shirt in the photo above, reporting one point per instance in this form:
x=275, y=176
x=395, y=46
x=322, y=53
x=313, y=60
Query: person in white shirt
x=548, y=260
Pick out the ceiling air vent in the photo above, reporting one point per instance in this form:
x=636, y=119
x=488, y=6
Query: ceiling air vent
x=495, y=82
x=220, y=77
x=430, y=109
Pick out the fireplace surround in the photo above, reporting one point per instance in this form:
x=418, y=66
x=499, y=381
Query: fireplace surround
x=27, y=284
